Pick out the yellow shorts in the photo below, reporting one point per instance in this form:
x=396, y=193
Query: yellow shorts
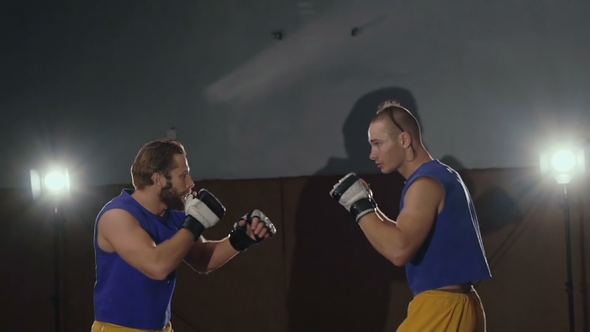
x=107, y=327
x=444, y=311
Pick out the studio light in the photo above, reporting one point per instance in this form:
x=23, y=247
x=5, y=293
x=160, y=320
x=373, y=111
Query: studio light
x=565, y=165
x=55, y=187
x=56, y=182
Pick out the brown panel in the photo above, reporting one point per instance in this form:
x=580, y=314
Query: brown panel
x=27, y=264
x=78, y=263
x=337, y=281
x=246, y=294
x=319, y=273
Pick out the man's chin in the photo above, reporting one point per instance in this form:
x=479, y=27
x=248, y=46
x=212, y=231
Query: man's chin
x=386, y=170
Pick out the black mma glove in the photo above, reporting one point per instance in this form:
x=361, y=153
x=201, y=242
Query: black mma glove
x=202, y=212
x=238, y=237
x=351, y=193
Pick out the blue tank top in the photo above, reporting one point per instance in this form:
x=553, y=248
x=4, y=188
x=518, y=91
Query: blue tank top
x=123, y=295
x=453, y=252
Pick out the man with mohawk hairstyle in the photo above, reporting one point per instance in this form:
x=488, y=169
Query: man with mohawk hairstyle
x=436, y=235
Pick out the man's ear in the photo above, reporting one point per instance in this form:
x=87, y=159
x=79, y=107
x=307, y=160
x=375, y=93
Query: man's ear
x=406, y=139
x=158, y=179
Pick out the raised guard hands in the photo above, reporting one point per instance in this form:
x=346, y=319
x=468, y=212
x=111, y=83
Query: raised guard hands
x=252, y=228
x=202, y=211
x=354, y=195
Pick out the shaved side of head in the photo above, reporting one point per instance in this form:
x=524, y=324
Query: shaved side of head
x=399, y=119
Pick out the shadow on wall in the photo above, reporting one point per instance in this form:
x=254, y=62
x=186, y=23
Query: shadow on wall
x=499, y=208
x=338, y=281
x=355, y=131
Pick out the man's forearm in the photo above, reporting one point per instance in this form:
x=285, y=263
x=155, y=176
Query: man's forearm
x=215, y=255
x=170, y=253
x=384, y=236
x=383, y=217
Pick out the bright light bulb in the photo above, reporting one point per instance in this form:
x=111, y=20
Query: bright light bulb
x=563, y=161
x=55, y=181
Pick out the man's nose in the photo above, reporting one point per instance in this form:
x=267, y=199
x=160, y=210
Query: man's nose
x=372, y=155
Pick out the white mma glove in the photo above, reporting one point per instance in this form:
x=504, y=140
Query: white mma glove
x=202, y=211
x=351, y=193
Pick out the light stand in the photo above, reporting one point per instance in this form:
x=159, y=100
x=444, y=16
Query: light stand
x=58, y=219
x=57, y=187
x=569, y=284
x=564, y=165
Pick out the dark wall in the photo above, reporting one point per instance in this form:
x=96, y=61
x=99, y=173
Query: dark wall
x=88, y=82
x=319, y=273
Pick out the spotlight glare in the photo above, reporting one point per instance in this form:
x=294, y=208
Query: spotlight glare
x=55, y=181
x=35, y=184
x=563, y=164
x=563, y=161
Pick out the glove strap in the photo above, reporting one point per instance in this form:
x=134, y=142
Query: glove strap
x=239, y=239
x=193, y=225
x=362, y=207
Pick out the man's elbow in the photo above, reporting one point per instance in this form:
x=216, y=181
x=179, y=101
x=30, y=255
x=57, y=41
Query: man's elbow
x=206, y=271
x=203, y=271
x=399, y=258
x=399, y=261
x=156, y=271
x=198, y=268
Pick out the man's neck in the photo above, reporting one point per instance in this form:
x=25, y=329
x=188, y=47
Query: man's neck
x=422, y=157
x=149, y=201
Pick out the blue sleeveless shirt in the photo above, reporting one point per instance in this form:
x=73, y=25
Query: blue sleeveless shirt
x=122, y=294
x=453, y=253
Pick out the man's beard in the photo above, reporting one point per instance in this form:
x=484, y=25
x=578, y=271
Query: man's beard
x=172, y=198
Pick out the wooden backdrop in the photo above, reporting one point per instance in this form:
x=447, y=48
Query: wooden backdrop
x=319, y=273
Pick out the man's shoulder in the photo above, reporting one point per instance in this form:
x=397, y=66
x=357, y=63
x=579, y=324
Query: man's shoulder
x=120, y=205
x=437, y=166
x=123, y=199
x=437, y=170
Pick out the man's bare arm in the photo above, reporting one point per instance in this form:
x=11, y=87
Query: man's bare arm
x=205, y=256
x=384, y=217
x=399, y=240
x=119, y=231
